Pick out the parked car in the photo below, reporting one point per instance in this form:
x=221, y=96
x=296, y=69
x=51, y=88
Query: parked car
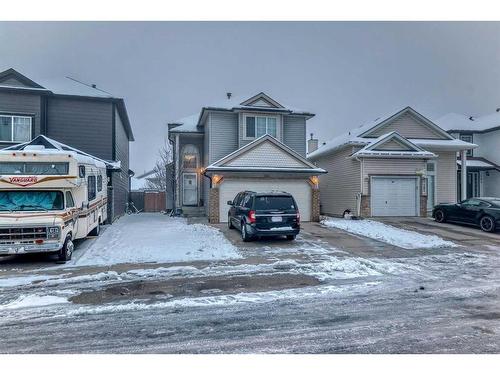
x=264, y=214
x=482, y=212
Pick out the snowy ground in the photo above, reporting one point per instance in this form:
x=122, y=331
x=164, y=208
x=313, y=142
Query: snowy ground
x=157, y=238
x=387, y=233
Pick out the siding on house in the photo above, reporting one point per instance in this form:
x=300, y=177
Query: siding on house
x=83, y=124
x=294, y=133
x=388, y=167
x=13, y=82
x=265, y=155
x=22, y=104
x=120, y=179
x=408, y=126
x=392, y=145
x=223, y=135
x=338, y=188
x=446, y=176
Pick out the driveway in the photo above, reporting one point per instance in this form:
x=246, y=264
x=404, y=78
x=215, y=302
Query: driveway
x=329, y=291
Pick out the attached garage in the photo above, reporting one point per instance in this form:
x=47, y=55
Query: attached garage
x=300, y=189
x=394, y=196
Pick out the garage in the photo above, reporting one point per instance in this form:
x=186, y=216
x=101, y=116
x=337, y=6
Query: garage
x=394, y=196
x=299, y=188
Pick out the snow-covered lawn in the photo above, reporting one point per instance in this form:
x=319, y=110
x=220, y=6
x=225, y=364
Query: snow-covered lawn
x=387, y=233
x=157, y=238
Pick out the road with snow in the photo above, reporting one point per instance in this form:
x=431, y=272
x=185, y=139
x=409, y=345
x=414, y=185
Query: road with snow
x=308, y=296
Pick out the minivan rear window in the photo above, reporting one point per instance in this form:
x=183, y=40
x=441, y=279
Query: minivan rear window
x=274, y=202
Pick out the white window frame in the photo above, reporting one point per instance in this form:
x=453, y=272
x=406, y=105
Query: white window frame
x=278, y=127
x=12, y=128
x=432, y=173
x=470, y=139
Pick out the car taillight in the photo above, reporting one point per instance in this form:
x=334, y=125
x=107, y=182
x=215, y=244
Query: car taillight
x=251, y=216
x=298, y=217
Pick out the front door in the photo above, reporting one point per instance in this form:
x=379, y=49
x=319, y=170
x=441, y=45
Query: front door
x=189, y=189
x=473, y=184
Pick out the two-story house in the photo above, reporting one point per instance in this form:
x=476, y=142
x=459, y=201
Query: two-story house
x=401, y=164
x=72, y=113
x=483, y=167
x=252, y=144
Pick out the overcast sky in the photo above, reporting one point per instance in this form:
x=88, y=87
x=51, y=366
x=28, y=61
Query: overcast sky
x=346, y=73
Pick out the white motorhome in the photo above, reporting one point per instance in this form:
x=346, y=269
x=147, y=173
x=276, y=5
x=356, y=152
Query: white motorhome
x=50, y=195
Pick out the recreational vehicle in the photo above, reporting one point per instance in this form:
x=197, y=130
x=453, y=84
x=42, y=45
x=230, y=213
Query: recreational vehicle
x=50, y=195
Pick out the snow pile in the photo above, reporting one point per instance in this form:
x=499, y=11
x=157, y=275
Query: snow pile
x=157, y=238
x=33, y=300
x=389, y=234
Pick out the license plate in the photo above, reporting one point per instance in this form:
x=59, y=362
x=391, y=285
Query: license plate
x=276, y=219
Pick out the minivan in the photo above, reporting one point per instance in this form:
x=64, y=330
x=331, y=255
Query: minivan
x=264, y=214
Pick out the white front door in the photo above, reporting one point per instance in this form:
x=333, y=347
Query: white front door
x=394, y=196
x=189, y=189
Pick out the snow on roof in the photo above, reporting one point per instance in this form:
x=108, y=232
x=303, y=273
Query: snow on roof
x=189, y=124
x=456, y=121
x=478, y=164
x=68, y=86
x=444, y=144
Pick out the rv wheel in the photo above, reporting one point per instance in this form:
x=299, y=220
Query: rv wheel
x=67, y=250
x=96, y=230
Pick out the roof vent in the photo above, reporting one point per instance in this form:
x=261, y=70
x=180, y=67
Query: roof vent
x=471, y=118
x=94, y=86
x=498, y=109
x=229, y=94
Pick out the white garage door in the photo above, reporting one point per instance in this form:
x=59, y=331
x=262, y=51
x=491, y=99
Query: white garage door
x=300, y=189
x=394, y=196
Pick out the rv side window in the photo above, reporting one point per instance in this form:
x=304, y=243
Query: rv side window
x=91, y=188
x=99, y=183
x=69, y=200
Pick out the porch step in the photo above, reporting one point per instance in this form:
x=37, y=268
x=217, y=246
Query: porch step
x=193, y=211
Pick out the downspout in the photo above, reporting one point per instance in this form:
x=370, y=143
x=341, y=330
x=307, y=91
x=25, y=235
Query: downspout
x=174, y=206
x=359, y=194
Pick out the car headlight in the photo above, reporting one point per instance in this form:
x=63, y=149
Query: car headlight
x=53, y=232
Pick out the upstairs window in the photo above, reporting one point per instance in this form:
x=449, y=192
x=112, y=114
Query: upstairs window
x=257, y=126
x=467, y=138
x=15, y=128
x=190, y=157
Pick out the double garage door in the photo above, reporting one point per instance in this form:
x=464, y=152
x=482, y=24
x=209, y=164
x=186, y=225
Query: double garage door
x=300, y=189
x=394, y=196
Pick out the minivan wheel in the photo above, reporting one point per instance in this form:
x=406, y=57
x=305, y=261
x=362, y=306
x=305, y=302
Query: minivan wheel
x=487, y=224
x=290, y=237
x=439, y=216
x=66, y=252
x=244, y=234
x=229, y=223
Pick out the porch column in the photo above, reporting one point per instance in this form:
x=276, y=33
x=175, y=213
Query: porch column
x=463, y=167
x=177, y=173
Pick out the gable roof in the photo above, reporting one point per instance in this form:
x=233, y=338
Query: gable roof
x=358, y=136
x=67, y=87
x=188, y=124
x=412, y=150
x=49, y=145
x=459, y=122
x=254, y=156
x=259, y=99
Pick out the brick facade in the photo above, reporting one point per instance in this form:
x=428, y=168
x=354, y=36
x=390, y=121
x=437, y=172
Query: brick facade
x=423, y=205
x=213, y=206
x=365, y=206
x=315, y=206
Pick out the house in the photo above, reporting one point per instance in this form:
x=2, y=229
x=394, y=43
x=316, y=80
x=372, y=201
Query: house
x=398, y=165
x=254, y=143
x=483, y=166
x=72, y=113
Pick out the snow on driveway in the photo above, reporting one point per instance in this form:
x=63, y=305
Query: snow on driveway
x=157, y=238
x=387, y=233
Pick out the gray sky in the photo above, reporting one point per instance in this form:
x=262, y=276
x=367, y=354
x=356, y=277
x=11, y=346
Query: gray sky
x=346, y=73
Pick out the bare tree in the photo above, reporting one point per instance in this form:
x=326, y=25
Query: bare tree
x=158, y=180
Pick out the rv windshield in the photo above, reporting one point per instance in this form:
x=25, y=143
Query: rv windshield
x=31, y=200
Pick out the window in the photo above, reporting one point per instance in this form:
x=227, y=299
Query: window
x=99, y=183
x=257, y=126
x=91, y=191
x=247, y=201
x=467, y=138
x=15, y=128
x=474, y=203
x=189, y=157
x=33, y=200
x=34, y=168
x=69, y=200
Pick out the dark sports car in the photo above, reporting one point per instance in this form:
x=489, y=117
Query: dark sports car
x=482, y=212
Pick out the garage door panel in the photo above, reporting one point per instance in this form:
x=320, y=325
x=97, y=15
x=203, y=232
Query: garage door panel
x=300, y=189
x=394, y=196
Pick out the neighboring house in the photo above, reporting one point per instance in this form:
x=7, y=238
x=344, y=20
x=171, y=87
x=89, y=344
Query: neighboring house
x=399, y=165
x=483, y=165
x=72, y=113
x=252, y=144
x=143, y=181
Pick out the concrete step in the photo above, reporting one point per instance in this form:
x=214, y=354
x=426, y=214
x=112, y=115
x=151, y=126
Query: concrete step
x=193, y=211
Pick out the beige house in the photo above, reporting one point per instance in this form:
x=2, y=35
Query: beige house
x=399, y=165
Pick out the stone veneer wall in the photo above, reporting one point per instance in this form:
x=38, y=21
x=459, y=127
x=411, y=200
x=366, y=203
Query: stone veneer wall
x=315, y=206
x=213, y=206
